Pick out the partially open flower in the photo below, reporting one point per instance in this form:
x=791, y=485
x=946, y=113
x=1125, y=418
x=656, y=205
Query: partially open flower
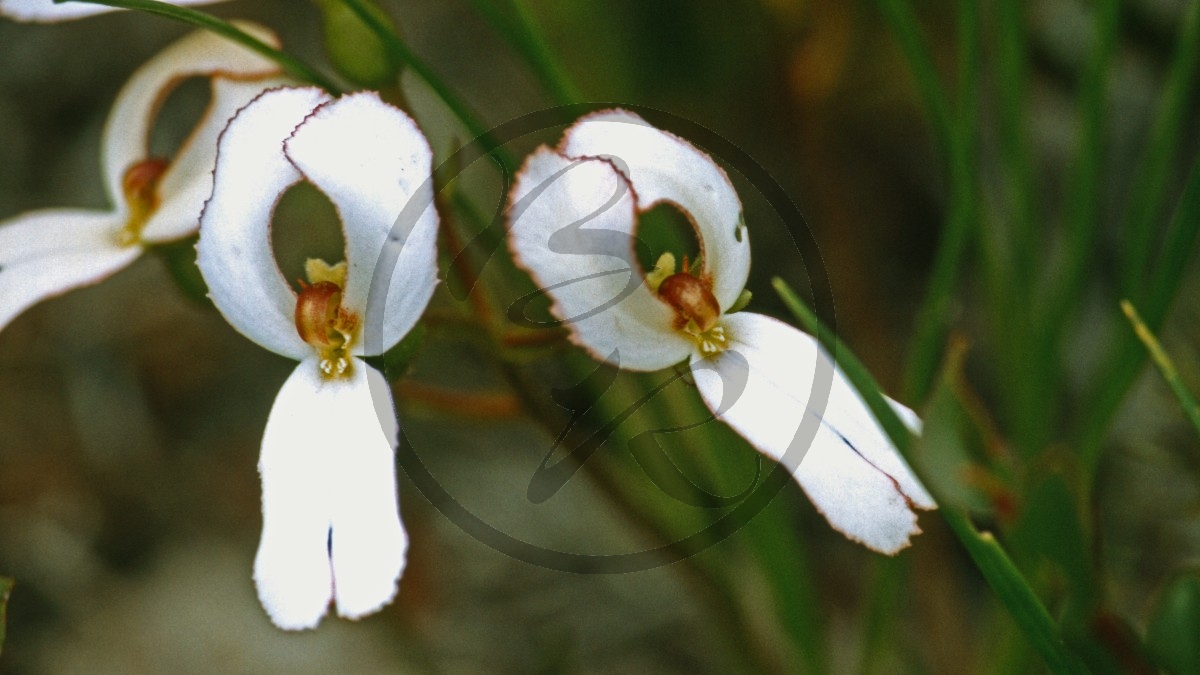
x=48, y=252
x=331, y=523
x=572, y=208
x=49, y=11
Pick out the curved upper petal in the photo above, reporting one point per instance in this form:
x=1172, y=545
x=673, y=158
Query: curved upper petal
x=187, y=182
x=663, y=167
x=234, y=251
x=46, y=253
x=850, y=471
x=292, y=570
x=127, y=131
x=47, y=11
x=571, y=225
x=369, y=544
x=374, y=164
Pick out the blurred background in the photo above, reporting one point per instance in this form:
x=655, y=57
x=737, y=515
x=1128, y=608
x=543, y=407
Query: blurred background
x=131, y=414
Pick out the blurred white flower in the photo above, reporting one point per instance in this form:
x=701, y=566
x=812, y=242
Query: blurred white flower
x=48, y=11
x=331, y=523
x=572, y=226
x=48, y=252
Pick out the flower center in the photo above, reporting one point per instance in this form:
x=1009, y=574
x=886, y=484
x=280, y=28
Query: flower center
x=321, y=320
x=140, y=186
x=697, y=312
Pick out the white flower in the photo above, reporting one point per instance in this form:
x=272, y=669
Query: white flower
x=48, y=252
x=331, y=524
x=572, y=225
x=48, y=11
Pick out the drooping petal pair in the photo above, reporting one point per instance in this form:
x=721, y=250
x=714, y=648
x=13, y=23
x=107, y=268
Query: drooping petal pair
x=331, y=524
x=573, y=226
x=49, y=11
x=48, y=252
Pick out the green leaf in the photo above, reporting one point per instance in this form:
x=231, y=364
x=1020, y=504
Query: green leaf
x=1174, y=634
x=988, y=555
x=290, y=64
x=6, y=586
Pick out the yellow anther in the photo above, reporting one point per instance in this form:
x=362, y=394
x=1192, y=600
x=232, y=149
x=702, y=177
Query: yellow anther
x=664, y=268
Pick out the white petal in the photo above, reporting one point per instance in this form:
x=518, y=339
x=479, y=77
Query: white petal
x=850, y=471
x=292, y=570
x=46, y=253
x=234, y=252
x=590, y=271
x=664, y=167
x=46, y=11
x=369, y=542
x=329, y=490
x=127, y=131
x=372, y=162
x=187, y=182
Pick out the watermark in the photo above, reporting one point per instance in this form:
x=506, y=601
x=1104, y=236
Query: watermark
x=579, y=441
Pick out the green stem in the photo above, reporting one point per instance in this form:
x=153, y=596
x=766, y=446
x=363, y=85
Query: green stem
x=934, y=315
x=1165, y=366
x=904, y=24
x=461, y=110
x=771, y=535
x=881, y=612
x=988, y=555
x=1082, y=208
x=290, y=64
x=1014, y=140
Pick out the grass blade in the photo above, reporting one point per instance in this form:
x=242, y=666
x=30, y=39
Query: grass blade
x=1128, y=357
x=934, y=315
x=1082, y=208
x=520, y=30
x=904, y=24
x=290, y=64
x=1165, y=366
x=1154, y=167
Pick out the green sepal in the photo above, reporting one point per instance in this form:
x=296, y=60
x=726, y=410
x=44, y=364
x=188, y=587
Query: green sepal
x=742, y=302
